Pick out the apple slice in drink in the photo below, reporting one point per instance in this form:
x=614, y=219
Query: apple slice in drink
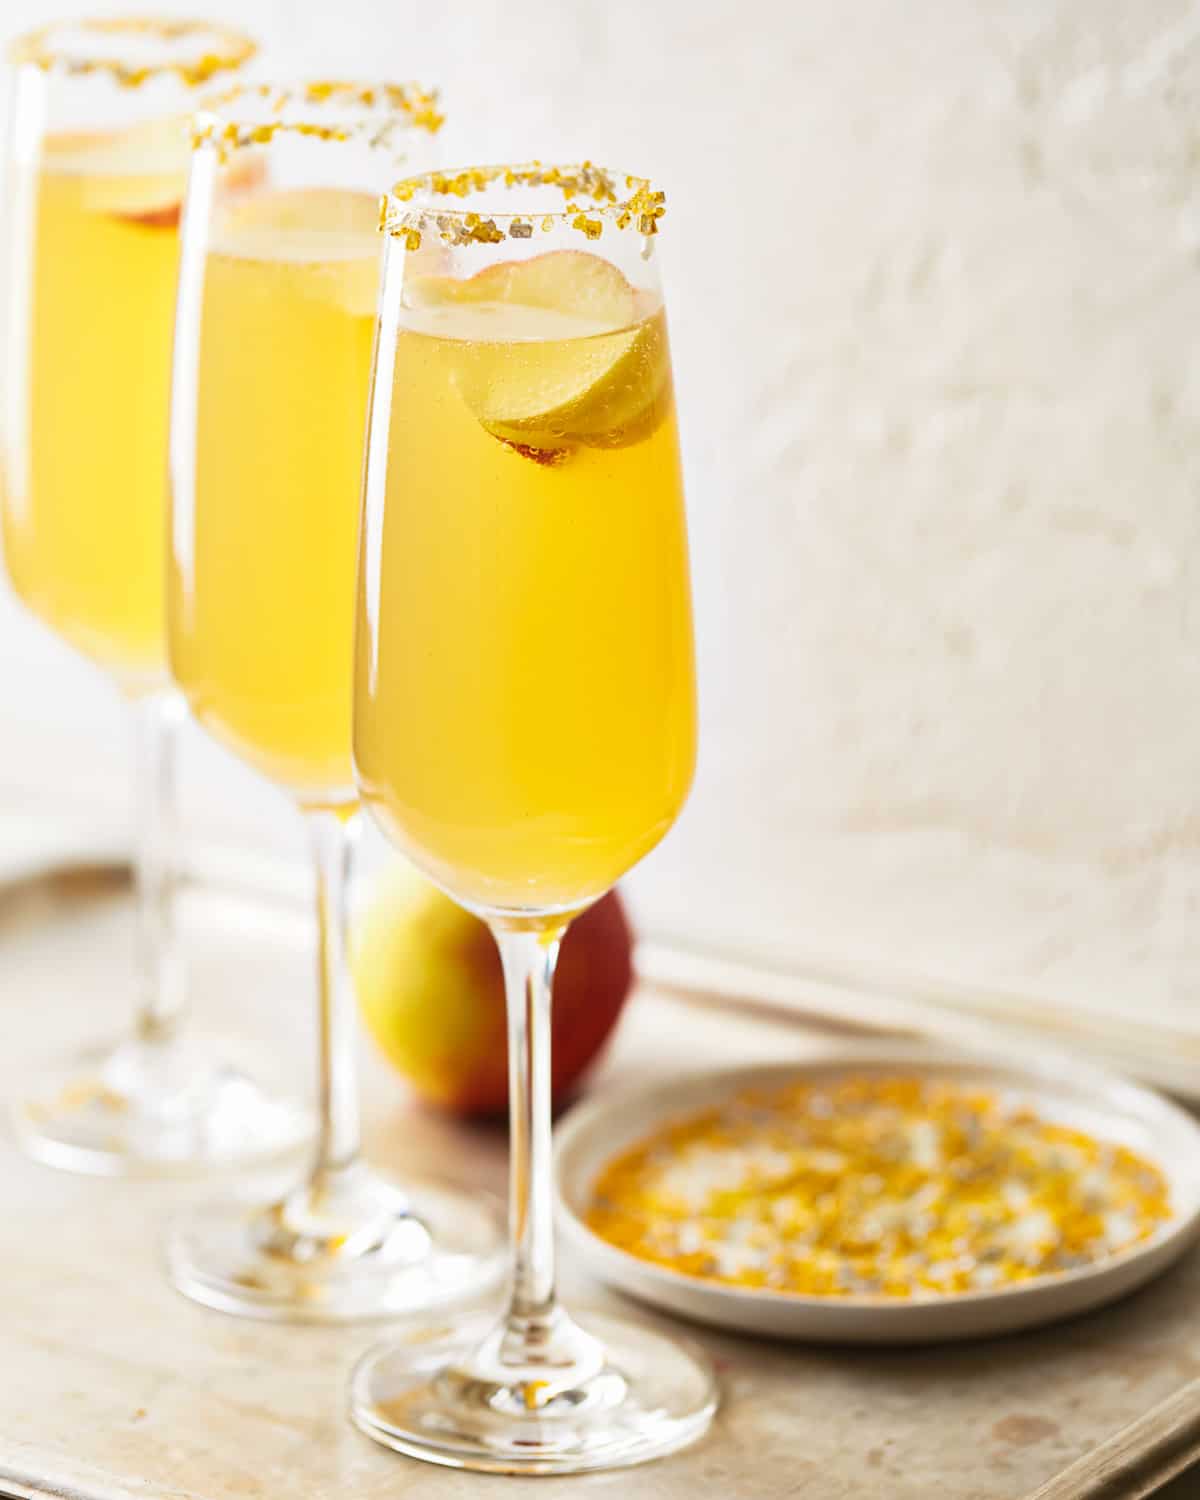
x=562, y=351
x=330, y=234
x=139, y=173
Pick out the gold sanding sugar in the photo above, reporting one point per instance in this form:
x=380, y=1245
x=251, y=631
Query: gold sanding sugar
x=887, y=1186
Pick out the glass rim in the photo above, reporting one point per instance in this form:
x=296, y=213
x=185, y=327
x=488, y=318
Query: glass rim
x=591, y=199
x=380, y=105
x=43, y=48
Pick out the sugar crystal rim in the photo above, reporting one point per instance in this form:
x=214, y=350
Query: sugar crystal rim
x=47, y=48
x=593, y=197
x=252, y=114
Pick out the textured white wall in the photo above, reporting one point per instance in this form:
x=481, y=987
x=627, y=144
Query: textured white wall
x=934, y=276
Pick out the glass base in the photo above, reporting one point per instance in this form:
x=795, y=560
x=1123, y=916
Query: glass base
x=155, y=1109
x=347, y=1247
x=602, y=1398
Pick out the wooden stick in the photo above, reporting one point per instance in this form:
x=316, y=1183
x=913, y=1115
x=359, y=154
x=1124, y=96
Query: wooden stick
x=1136, y=1461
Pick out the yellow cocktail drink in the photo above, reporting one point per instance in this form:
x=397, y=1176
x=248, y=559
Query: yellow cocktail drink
x=262, y=612
x=85, y=497
x=526, y=726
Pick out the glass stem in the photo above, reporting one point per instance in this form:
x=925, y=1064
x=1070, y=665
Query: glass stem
x=160, y=970
x=333, y=837
x=529, y=959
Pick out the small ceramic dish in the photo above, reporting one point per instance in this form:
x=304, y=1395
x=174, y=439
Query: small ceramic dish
x=1106, y=1107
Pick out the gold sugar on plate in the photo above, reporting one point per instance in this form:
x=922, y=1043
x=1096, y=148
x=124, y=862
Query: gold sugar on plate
x=886, y=1186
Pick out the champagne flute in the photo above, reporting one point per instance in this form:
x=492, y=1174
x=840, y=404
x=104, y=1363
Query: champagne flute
x=525, y=722
x=95, y=169
x=277, y=298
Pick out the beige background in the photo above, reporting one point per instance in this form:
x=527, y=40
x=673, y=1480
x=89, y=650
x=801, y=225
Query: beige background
x=934, y=277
